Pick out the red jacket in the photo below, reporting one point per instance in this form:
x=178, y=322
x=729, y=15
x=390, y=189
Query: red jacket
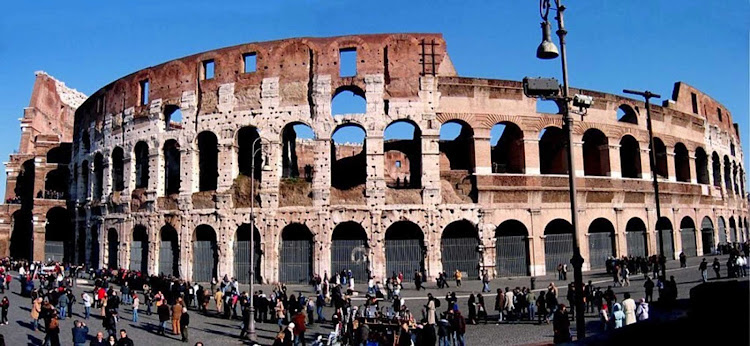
x=299, y=323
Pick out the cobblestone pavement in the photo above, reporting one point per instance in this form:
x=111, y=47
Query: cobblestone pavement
x=213, y=330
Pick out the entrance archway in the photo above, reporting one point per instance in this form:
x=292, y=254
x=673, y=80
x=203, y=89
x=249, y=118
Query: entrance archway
x=558, y=244
x=635, y=236
x=404, y=249
x=58, y=236
x=707, y=235
x=139, y=249
x=511, y=249
x=169, y=252
x=113, y=245
x=296, y=254
x=242, y=254
x=349, y=250
x=205, y=254
x=458, y=247
x=664, y=227
x=722, y=231
x=601, y=242
x=687, y=233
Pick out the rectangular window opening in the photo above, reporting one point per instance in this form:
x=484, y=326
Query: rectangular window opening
x=718, y=111
x=250, y=61
x=694, y=98
x=144, y=91
x=208, y=69
x=347, y=62
x=398, y=164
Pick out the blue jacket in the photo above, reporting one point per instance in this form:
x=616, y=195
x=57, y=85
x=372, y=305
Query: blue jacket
x=80, y=334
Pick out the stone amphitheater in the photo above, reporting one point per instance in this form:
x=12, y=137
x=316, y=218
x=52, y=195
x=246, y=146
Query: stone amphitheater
x=161, y=170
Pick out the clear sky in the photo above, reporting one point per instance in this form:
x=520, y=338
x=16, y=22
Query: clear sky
x=636, y=44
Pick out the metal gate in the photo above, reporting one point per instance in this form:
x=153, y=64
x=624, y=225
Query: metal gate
x=54, y=250
x=668, y=243
x=707, y=236
x=167, y=261
x=461, y=254
x=350, y=255
x=405, y=256
x=295, y=261
x=558, y=248
x=722, y=232
x=512, y=256
x=688, y=242
x=732, y=234
x=138, y=255
x=113, y=254
x=204, y=260
x=601, y=246
x=636, y=243
x=242, y=261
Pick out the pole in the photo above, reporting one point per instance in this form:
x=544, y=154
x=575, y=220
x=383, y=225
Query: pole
x=252, y=334
x=652, y=162
x=564, y=103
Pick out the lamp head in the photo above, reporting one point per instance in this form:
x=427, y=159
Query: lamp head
x=266, y=166
x=547, y=49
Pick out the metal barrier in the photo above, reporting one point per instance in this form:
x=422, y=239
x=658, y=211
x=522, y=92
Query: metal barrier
x=688, y=242
x=558, y=248
x=138, y=255
x=54, y=250
x=204, y=260
x=668, y=243
x=295, y=261
x=707, y=235
x=461, y=254
x=242, y=261
x=636, y=243
x=512, y=255
x=167, y=261
x=405, y=256
x=601, y=246
x=350, y=255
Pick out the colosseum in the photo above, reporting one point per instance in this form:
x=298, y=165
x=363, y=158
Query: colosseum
x=161, y=170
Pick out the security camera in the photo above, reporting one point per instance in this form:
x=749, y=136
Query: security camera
x=582, y=101
x=541, y=87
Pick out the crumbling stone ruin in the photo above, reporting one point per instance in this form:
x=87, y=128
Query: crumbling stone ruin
x=168, y=162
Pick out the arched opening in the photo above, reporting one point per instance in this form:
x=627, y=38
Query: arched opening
x=242, y=252
x=85, y=170
x=660, y=157
x=118, y=169
x=665, y=230
x=205, y=254
x=24, y=189
x=459, y=247
x=171, y=167
x=681, y=163
x=348, y=99
x=348, y=157
x=172, y=117
x=558, y=244
x=732, y=230
x=727, y=174
x=208, y=161
x=626, y=114
x=56, y=183
x=94, y=246
x=349, y=250
x=58, y=236
x=247, y=145
x=98, y=176
x=404, y=249
x=552, y=157
x=21, y=236
x=169, y=252
x=456, y=147
x=601, y=242
x=113, y=245
x=707, y=236
x=512, y=249
x=747, y=230
x=722, y=231
x=734, y=179
x=630, y=157
x=716, y=164
x=296, y=254
x=506, y=141
x=701, y=166
x=141, y=165
x=742, y=182
x=86, y=141
x=298, y=151
x=402, y=145
x=635, y=236
x=139, y=249
x=687, y=233
x=595, y=153
x=60, y=154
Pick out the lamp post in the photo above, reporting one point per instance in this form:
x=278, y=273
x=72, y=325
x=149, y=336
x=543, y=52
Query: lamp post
x=251, y=333
x=548, y=50
x=652, y=162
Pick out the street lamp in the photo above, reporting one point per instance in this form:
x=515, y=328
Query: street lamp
x=652, y=160
x=252, y=334
x=547, y=88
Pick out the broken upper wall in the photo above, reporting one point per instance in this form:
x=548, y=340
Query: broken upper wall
x=49, y=116
x=400, y=58
x=688, y=99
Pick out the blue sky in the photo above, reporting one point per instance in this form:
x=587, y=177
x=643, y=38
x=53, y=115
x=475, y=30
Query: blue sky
x=637, y=44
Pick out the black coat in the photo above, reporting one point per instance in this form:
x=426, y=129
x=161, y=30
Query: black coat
x=163, y=312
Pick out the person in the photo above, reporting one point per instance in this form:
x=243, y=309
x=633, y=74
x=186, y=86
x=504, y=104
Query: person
x=62, y=305
x=531, y=304
x=280, y=312
x=618, y=315
x=565, y=272
x=136, y=304
x=111, y=341
x=299, y=329
x=430, y=308
x=561, y=325
x=52, y=328
x=289, y=331
x=717, y=268
x=163, y=311
x=459, y=329
x=124, y=339
x=404, y=338
x=218, y=298
x=4, y=304
x=280, y=339
x=509, y=307
x=604, y=317
x=481, y=308
x=444, y=332
x=458, y=276
x=320, y=301
x=184, y=323
x=80, y=333
x=109, y=322
x=551, y=299
x=86, y=298
x=499, y=304
x=541, y=304
x=485, y=282
x=649, y=286
x=176, y=314
x=99, y=340
x=628, y=308
x=703, y=268
x=642, y=312
x=36, y=309
x=683, y=260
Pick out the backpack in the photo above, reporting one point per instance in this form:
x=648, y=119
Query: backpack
x=437, y=303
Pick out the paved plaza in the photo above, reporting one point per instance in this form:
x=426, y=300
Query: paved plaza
x=213, y=330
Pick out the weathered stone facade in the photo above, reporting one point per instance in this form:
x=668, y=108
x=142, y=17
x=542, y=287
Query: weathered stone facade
x=464, y=184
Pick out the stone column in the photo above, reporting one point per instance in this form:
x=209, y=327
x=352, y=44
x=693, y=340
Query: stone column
x=645, y=163
x=670, y=164
x=39, y=238
x=536, y=244
x=692, y=168
x=621, y=247
x=615, y=166
x=269, y=186
x=375, y=185
x=578, y=155
x=226, y=162
x=377, y=246
x=482, y=152
x=531, y=152
x=321, y=184
x=431, y=164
